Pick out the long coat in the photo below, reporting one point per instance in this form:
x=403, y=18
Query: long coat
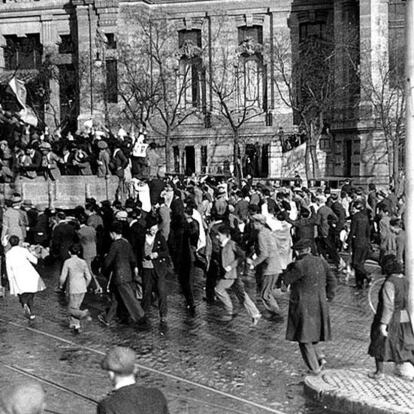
x=23, y=277
x=312, y=285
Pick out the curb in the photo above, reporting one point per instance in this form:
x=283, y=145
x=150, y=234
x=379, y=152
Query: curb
x=338, y=399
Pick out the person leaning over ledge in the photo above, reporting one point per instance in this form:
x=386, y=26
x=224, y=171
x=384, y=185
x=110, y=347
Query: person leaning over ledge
x=127, y=397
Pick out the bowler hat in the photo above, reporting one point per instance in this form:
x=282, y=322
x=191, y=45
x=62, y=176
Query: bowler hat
x=302, y=244
x=120, y=360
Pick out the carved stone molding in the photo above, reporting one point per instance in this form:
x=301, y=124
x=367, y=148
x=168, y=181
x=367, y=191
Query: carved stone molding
x=249, y=47
x=189, y=50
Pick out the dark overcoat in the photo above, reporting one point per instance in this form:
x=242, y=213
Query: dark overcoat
x=312, y=285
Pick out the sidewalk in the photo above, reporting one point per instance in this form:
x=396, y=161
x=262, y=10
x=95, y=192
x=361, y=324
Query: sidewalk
x=351, y=391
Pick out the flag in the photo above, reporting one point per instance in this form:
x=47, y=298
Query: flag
x=27, y=114
x=18, y=88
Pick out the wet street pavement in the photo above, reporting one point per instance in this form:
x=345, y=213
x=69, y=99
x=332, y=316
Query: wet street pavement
x=201, y=364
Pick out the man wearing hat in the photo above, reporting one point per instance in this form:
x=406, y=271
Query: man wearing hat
x=14, y=220
x=121, y=265
x=359, y=241
x=312, y=285
x=220, y=206
x=104, y=160
x=268, y=264
x=127, y=397
x=153, y=252
x=50, y=162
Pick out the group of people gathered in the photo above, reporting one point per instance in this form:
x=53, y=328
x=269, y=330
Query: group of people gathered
x=27, y=154
x=225, y=230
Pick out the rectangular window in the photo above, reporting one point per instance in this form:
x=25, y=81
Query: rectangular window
x=23, y=52
x=194, y=36
x=191, y=80
x=396, y=41
x=312, y=30
x=176, y=154
x=111, y=81
x=204, y=159
x=66, y=44
x=111, y=41
x=254, y=33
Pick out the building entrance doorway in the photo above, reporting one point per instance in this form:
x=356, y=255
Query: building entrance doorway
x=189, y=160
x=348, y=158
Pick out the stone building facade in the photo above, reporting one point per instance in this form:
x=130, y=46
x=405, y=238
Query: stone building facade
x=81, y=40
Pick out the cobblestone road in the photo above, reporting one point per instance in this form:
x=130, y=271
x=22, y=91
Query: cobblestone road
x=202, y=365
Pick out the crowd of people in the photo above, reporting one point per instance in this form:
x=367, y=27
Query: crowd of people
x=226, y=230
x=26, y=154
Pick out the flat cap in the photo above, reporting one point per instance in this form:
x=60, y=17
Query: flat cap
x=302, y=244
x=120, y=360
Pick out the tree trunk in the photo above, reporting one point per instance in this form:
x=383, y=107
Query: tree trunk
x=236, y=159
x=396, y=164
x=308, y=169
x=168, y=152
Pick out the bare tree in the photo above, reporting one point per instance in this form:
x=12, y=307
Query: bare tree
x=152, y=87
x=305, y=80
x=383, y=91
x=237, y=83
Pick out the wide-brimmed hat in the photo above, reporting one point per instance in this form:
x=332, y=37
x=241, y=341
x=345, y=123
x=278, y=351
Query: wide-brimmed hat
x=27, y=203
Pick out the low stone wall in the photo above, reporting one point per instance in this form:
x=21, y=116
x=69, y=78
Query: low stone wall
x=68, y=192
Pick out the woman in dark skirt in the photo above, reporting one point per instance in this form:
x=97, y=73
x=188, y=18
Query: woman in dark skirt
x=392, y=338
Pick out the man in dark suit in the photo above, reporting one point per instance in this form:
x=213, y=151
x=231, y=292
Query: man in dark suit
x=304, y=226
x=337, y=207
x=358, y=241
x=63, y=236
x=121, y=261
x=156, y=185
x=127, y=397
x=312, y=285
x=154, y=254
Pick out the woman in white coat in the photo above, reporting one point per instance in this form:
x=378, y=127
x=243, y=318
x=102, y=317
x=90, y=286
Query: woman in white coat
x=23, y=278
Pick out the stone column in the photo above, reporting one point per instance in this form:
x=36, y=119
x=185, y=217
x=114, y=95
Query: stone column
x=85, y=56
x=373, y=47
x=49, y=40
x=409, y=154
x=2, y=51
x=197, y=156
x=346, y=26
